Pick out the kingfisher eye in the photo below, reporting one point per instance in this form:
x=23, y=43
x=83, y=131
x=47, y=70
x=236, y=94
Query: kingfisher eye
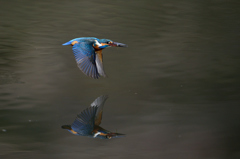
x=109, y=42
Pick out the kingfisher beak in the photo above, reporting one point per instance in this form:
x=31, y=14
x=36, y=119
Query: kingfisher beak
x=116, y=44
x=115, y=135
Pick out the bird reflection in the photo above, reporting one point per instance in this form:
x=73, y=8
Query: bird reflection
x=88, y=121
x=88, y=54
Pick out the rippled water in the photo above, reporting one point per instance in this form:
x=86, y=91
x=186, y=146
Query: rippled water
x=174, y=91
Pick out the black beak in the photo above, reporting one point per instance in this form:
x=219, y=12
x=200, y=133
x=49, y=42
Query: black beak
x=116, y=135
x=116, y=44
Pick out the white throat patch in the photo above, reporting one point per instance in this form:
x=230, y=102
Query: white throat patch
x=96, y=134
x=97, y=43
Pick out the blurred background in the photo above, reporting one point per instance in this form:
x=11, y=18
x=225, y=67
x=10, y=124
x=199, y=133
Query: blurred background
x=175, y=91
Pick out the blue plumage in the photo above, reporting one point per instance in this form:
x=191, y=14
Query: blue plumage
x=84, y=123
x=85, y=57
x=88, y=54
x=82, y=39
x=88, y=121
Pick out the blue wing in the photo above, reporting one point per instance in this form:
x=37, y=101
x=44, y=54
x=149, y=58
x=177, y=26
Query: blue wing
x=84, y=123
x=85, y=57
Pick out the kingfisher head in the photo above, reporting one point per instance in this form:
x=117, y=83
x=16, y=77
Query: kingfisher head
x=103, y=43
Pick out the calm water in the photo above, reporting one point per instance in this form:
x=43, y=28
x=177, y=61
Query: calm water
x=174, y=91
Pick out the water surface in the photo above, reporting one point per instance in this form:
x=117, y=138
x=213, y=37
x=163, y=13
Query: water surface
x=174, y=91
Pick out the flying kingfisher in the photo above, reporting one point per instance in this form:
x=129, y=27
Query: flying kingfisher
x=88, y=54
x=88, y=121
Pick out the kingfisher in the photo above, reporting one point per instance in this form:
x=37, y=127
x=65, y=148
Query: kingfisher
x=88, y=121
x=88, y=54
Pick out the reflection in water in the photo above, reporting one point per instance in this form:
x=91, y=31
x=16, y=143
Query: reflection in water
x=179, y=79
x=88, y=121
x=85, y=50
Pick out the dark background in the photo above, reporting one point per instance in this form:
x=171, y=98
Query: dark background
x=175, y=91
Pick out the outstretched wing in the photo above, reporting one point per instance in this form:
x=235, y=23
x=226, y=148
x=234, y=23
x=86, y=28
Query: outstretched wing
x=99, y=63
x=85, y=57
x=99, y=103
x=84, y=123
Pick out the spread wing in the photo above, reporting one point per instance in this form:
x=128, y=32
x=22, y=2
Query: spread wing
x=85, y=57
x=99, y=63
x=99, y=103
x=84, y=122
